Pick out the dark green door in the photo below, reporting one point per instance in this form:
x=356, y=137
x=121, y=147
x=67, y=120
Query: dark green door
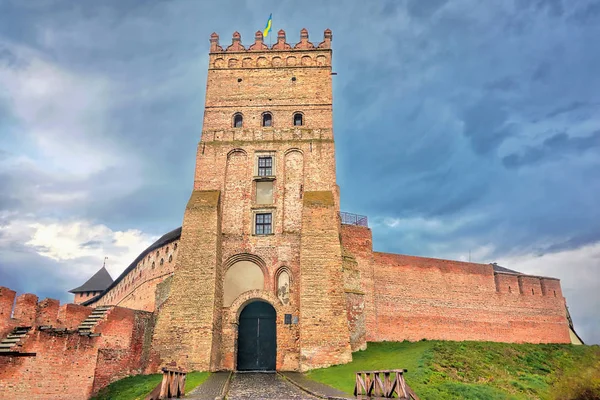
x=257, y=342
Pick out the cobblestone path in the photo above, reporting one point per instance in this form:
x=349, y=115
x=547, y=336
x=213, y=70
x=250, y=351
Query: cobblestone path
x=247, y=386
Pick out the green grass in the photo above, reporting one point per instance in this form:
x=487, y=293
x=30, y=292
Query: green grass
x=139, y=386
x=479, y=370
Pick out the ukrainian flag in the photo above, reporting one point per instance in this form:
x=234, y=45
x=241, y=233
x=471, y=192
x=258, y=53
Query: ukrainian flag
x=268, y=27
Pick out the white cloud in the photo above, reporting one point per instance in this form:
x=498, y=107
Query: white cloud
x=78, y=245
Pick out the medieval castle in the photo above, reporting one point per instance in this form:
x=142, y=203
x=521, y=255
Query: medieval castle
x=265, y=272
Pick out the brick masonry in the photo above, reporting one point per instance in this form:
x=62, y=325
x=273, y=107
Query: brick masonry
x=340, y=293
x=53, y=361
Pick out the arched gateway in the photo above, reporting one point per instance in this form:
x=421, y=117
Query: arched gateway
x=257, y=339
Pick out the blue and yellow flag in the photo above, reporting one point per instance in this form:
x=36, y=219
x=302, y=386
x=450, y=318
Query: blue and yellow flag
x=268, y=27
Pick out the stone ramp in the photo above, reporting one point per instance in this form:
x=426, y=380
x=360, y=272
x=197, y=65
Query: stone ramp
x=256, y=385
x=263, y=385
x=212, y=388
x=316, y=388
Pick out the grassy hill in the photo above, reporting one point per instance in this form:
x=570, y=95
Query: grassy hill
x=479, y=370
x=139, y=386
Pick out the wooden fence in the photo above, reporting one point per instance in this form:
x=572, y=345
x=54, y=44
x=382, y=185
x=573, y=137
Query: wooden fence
x=172, y=385
x=383, y=384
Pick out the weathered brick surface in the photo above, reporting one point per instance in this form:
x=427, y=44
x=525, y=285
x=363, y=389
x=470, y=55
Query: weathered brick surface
x=324, y=334
x=70, y=316
x=26, y=309
x=188, y=321
x=137, y=289
x=63, y=364
x=418, y=297
x=341, y=293
x=7, y=300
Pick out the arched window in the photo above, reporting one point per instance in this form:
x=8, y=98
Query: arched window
x=162, y=261
x=298, y=119
x=267, y=119
x=238, y=120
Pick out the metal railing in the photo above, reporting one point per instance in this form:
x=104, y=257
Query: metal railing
x=354, y=219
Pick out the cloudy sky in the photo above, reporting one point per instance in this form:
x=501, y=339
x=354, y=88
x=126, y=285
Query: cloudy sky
x=462, y=127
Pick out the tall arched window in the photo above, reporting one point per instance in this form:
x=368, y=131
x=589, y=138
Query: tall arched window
x=238, y=120
x=298, y=119
x=267, y=119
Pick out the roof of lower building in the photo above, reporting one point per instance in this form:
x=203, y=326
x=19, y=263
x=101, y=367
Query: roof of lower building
x=498, y=268
x=100, y=281
x=163, y=240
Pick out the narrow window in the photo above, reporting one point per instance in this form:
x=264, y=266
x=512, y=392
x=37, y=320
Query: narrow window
x=267, y=119
x=175, y=247
x=152, y=264
x=265, y=166
x=509, y=290
x=264, y=192
x=170, y=258
x=263, y=224
x=554, y=293
x=238, y=120
x=162, y=261
x=532, y=292
x=298, y=119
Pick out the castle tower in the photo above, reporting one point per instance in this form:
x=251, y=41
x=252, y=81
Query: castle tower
x=258, y=281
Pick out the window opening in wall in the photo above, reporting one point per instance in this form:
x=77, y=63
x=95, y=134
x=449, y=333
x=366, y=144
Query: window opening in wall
x=265, y=166
x=298, y=121
x=170, y=258
x=238, y=120
x=293, y=79
x=554, y=293
x=263, y=224
x=152, y=264
x=162, y=261
x=175, y=247
x=264, y=192
x=532, y=292
x=157, y=253
x=267, y=120
x=509, y=290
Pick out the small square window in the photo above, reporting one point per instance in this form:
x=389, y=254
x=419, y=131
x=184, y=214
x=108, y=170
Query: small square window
x=263, y=224
x=265, y=166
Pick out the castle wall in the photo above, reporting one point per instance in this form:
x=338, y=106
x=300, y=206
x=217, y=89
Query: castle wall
x=189, y=320
x=137, y=289
x=324, y=332
x=423, y=298
x=56, y=362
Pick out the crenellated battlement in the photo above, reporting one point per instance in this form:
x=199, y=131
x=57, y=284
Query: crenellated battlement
x=27, y=310
x=280, y=54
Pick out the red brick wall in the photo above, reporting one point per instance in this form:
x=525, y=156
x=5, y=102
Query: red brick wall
x=7, y=300
x=63, y=364
x=417, y=297
x=137, y=289
x=439, y=299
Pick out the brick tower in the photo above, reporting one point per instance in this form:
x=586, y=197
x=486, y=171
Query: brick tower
x=262, y=223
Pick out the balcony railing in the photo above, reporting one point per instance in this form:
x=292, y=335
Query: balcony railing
x=354, y=219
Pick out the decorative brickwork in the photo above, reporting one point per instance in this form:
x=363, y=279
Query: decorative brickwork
x=180, y=301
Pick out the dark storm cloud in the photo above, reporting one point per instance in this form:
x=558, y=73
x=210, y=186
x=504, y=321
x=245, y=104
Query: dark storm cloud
x=448, y=116
x=554, y=148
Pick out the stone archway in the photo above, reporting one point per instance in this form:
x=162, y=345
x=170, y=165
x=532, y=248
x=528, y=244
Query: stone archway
x=257, y=337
